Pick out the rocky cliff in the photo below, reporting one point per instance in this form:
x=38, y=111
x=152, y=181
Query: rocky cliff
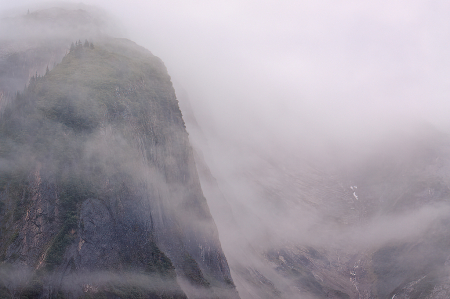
x=100, y=197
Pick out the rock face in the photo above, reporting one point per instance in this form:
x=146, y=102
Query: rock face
x=100, y=197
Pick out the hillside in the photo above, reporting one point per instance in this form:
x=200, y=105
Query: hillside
x=99, y=192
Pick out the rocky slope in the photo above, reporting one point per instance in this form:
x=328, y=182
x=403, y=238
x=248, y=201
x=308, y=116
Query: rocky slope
x=100, y=197
x=366, y=225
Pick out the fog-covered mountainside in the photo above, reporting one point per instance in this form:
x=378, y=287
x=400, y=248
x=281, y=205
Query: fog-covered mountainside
x=361, y=223
x=32, y=41
x=100, y=197
x=103, y=194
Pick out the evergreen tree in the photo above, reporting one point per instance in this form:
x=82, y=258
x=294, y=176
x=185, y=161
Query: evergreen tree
x=86, y=44
x=72, y=47
x=91, y=46
x=46, y=71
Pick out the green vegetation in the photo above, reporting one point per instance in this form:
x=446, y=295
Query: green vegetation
x=72, y=193
x=55, y=253
x=48, y=134
x=16, y=186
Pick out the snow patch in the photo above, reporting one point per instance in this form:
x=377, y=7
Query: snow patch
x=354, y=191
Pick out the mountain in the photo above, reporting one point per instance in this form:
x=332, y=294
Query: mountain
x=358, y=222
x=100, y=197
x=368, y=225
x=104, y=194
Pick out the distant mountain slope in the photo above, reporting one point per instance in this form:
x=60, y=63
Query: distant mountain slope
x=369, y=225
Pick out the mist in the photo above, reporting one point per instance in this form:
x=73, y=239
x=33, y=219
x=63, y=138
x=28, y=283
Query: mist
x=264, y=73
x=294, y=108
x=287, y=77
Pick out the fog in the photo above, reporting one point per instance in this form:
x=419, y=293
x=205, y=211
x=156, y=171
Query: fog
x=284, y=94
x=279, y=64
x=265, y=73
x=294, y=76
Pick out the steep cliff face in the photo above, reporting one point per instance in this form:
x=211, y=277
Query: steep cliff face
x=99, y=192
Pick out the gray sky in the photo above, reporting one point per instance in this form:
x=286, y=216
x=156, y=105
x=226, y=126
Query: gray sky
x=277, y=64
x=281, y=71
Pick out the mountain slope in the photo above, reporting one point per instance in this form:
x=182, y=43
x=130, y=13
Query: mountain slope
x=367, y=223
x=99, y=191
